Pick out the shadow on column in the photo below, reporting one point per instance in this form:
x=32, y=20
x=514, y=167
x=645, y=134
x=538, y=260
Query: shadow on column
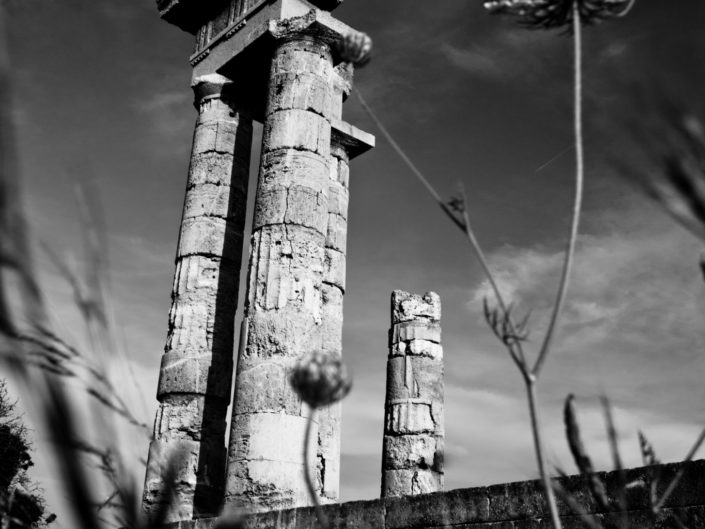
x=209, y=496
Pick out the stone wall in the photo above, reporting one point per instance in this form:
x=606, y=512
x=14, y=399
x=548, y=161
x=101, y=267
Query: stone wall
x=517, y=505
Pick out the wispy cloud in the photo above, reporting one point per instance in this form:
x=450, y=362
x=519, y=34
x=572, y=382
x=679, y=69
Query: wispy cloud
x=510, y=53
x=633, y=320
x=169, y=114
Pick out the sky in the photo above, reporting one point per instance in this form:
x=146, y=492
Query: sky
x=102, y=96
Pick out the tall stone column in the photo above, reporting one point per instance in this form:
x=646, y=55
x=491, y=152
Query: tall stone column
x=196, y=371
x=412, y=457
x=333, y=288
x=286, y=271
x=329, y=418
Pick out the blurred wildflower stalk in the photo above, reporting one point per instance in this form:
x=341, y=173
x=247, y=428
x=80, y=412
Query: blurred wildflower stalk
x=659, y=491
x=86, y=449
x=513, y=333
x=320, y=380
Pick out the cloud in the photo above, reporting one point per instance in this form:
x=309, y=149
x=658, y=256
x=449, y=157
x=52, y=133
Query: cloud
x=632, y=325
x=630, y=274
x=489, y=441
x=164, y=101
x=481, y=62
x=508, y=53
x=169, y=115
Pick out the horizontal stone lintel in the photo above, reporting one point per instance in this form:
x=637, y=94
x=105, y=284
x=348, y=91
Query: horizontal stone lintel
x=270, y=21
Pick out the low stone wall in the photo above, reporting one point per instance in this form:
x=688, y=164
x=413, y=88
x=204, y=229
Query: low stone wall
x=519, y=505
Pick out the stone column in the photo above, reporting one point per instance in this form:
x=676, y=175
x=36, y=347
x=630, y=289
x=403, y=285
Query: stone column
x=196, y=370
x=412, y=457
x=329, y=418
x=286, y=271
x=333, y=288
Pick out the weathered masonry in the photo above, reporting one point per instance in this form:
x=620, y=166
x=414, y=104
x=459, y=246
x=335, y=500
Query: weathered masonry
x=272, y=61
x=196, y=371
x=412, y=455
x=519, y=505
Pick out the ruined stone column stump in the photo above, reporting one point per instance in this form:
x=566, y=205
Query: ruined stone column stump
x=412, y=457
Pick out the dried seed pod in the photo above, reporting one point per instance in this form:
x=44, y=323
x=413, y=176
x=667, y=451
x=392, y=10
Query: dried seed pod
x=320, y=379
x=648, y=455
x=548, y=14
x=582, y=460
x=355, y=48
x=572, y=432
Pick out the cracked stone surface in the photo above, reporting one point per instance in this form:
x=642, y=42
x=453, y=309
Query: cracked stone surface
x=196, y=370
x=296, y=274
x=329, y=432
x=287, y=282
x=519, y=505
x=412, y=455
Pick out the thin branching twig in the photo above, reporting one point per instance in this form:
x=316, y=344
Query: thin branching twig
x=505, y=328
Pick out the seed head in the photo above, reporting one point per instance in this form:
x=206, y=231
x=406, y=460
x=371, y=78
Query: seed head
x=672, y=141
x=549, y=14
x=320, y=379
x=355, y=48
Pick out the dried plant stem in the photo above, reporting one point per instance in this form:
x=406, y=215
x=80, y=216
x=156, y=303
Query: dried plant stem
x=516, y=351
x=530, y=375
x=410, y=164
x=627, y=9
x=578, y=198
x=676, y=479
x=15, y=251
x=532, y=378
x=322, y=520
x=540, y=456
x=517, y=355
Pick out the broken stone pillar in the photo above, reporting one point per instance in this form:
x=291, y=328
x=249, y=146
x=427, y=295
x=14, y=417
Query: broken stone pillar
x=412, y=457
x=196, y=370
x=285, y=286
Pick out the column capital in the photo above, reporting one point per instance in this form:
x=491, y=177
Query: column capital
x=317, y=24
x=211, y=86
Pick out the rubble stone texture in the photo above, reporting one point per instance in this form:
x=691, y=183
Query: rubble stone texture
x=412, y=457
x=196, y=370
x=287, y=268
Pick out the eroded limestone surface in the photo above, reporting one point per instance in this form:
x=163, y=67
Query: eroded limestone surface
x=288, y=266
x=196, y=370
x=412, y=457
